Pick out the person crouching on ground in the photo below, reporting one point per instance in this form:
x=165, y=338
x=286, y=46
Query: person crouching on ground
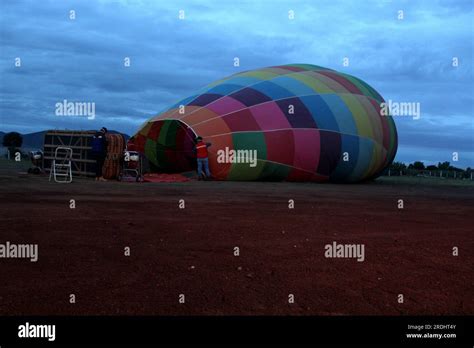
x=202, y=158
x=99, y=152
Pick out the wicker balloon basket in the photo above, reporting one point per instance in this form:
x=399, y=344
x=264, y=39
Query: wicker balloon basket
x=113, y=161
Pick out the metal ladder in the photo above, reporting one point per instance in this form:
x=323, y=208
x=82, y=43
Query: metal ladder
x=61, y=165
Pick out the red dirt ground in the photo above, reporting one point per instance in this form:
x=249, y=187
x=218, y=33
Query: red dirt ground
x=190, y=251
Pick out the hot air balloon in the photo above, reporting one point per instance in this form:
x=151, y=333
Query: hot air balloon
x=301, y=122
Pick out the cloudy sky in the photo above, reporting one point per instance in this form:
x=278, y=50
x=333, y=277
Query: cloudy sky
x=407, y=59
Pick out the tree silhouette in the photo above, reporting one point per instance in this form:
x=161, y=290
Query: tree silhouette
x=12, y=140
x=418, y=165
x=443, y=166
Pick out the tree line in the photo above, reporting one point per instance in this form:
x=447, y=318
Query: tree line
x=443, y=169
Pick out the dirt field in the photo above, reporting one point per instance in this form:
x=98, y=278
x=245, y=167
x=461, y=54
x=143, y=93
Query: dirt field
x=190, y=251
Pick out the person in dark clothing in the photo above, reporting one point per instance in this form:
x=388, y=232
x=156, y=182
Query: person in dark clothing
x=99, y=152
x=202, y=158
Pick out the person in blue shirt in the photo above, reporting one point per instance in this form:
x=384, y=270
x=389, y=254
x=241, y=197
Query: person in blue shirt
x=99, y=152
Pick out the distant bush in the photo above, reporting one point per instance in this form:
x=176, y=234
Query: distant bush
x=13, y=142
x=12, y=139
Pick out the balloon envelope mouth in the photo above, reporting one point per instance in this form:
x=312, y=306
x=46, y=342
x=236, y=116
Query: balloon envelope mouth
x=173, y=149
